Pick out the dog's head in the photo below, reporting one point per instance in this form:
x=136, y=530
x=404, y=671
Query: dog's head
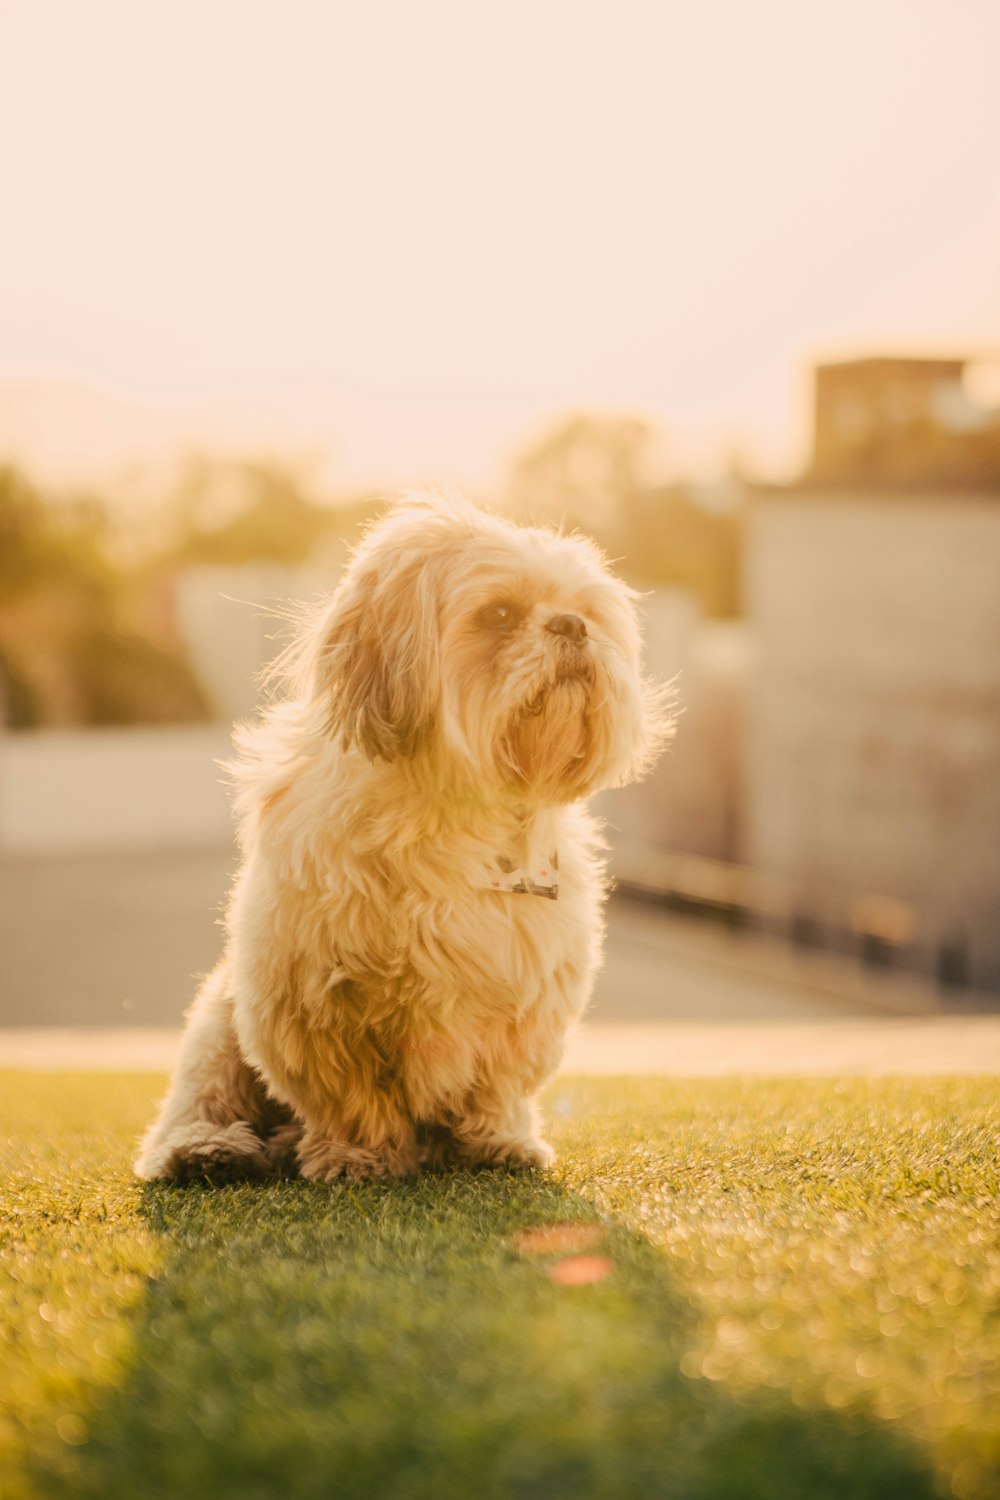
x=476, y=646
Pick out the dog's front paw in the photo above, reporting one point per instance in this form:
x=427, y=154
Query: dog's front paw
x=203, y=1152
x=281, y=1148
x=530, y=1153
x=335, y=1161
x=512, y=1154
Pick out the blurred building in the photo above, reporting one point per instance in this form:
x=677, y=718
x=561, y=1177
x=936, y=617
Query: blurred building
x=234, y=620
x=230, y=620
x=690, y=804
x=904, y=422
x=872, y=790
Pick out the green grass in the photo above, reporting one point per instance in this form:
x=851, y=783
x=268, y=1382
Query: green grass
x=802, y=1299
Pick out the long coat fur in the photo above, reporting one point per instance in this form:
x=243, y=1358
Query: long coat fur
x=381, y=1004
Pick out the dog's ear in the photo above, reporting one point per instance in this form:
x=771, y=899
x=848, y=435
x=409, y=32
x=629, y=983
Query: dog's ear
x=377, y=664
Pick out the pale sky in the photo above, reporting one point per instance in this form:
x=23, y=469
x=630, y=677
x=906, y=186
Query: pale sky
x=420, y=228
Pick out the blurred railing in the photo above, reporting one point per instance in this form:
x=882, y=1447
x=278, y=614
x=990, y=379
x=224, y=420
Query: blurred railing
x=878, y=931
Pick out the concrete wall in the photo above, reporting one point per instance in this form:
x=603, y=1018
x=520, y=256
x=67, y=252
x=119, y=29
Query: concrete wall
x=692, y=800
x=88, y=789
x=874, y=751
x=233, y=620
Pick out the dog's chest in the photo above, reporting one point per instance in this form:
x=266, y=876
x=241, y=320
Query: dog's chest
x=497, y=945
x=479, y=980
x=430, y=935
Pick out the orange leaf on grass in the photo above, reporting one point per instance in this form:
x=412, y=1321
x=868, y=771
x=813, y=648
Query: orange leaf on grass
x=581, y=1270
x=557, y=1239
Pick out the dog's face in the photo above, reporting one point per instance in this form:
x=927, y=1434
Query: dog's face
x=473, y=646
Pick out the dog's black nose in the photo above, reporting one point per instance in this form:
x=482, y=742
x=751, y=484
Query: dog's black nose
x=571, y=626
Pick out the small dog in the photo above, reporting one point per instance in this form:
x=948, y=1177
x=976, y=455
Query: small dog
x=417, y=920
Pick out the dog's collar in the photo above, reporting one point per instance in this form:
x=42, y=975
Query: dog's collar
x=543, y=880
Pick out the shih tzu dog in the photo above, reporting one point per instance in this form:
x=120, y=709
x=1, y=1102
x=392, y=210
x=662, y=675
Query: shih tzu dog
x=417, y=920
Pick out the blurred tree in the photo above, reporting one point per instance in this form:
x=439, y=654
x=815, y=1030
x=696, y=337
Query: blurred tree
x=583, y=471
x=232, y=511
x=668, y=538
x=67, y=654
x=596, y=473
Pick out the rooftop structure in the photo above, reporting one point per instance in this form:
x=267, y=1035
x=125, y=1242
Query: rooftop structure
x=905, y=423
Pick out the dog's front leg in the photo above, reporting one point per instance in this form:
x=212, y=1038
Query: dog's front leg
x=498, y=1122
x=365, y=1133
x=498, y=1126
x=355, y=1123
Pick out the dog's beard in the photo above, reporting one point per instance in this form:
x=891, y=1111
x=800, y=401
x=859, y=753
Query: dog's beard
x=535, y=725
x=549, y=740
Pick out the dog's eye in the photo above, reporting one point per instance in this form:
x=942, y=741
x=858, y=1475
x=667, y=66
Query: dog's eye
x=500, y=615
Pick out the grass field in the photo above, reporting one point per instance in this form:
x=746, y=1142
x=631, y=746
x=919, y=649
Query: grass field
x=725, y=1290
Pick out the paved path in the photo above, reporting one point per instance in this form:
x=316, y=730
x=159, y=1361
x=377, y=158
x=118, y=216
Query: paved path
x=823, y=1048
x=670, y=1049
x=102, y=939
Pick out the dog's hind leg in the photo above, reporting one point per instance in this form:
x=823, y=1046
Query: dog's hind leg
x=217, y=1123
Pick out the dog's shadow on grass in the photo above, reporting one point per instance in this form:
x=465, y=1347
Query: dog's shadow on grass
x=424, y=1340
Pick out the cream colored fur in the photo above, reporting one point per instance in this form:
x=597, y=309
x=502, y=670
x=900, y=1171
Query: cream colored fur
x=378, y=1008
